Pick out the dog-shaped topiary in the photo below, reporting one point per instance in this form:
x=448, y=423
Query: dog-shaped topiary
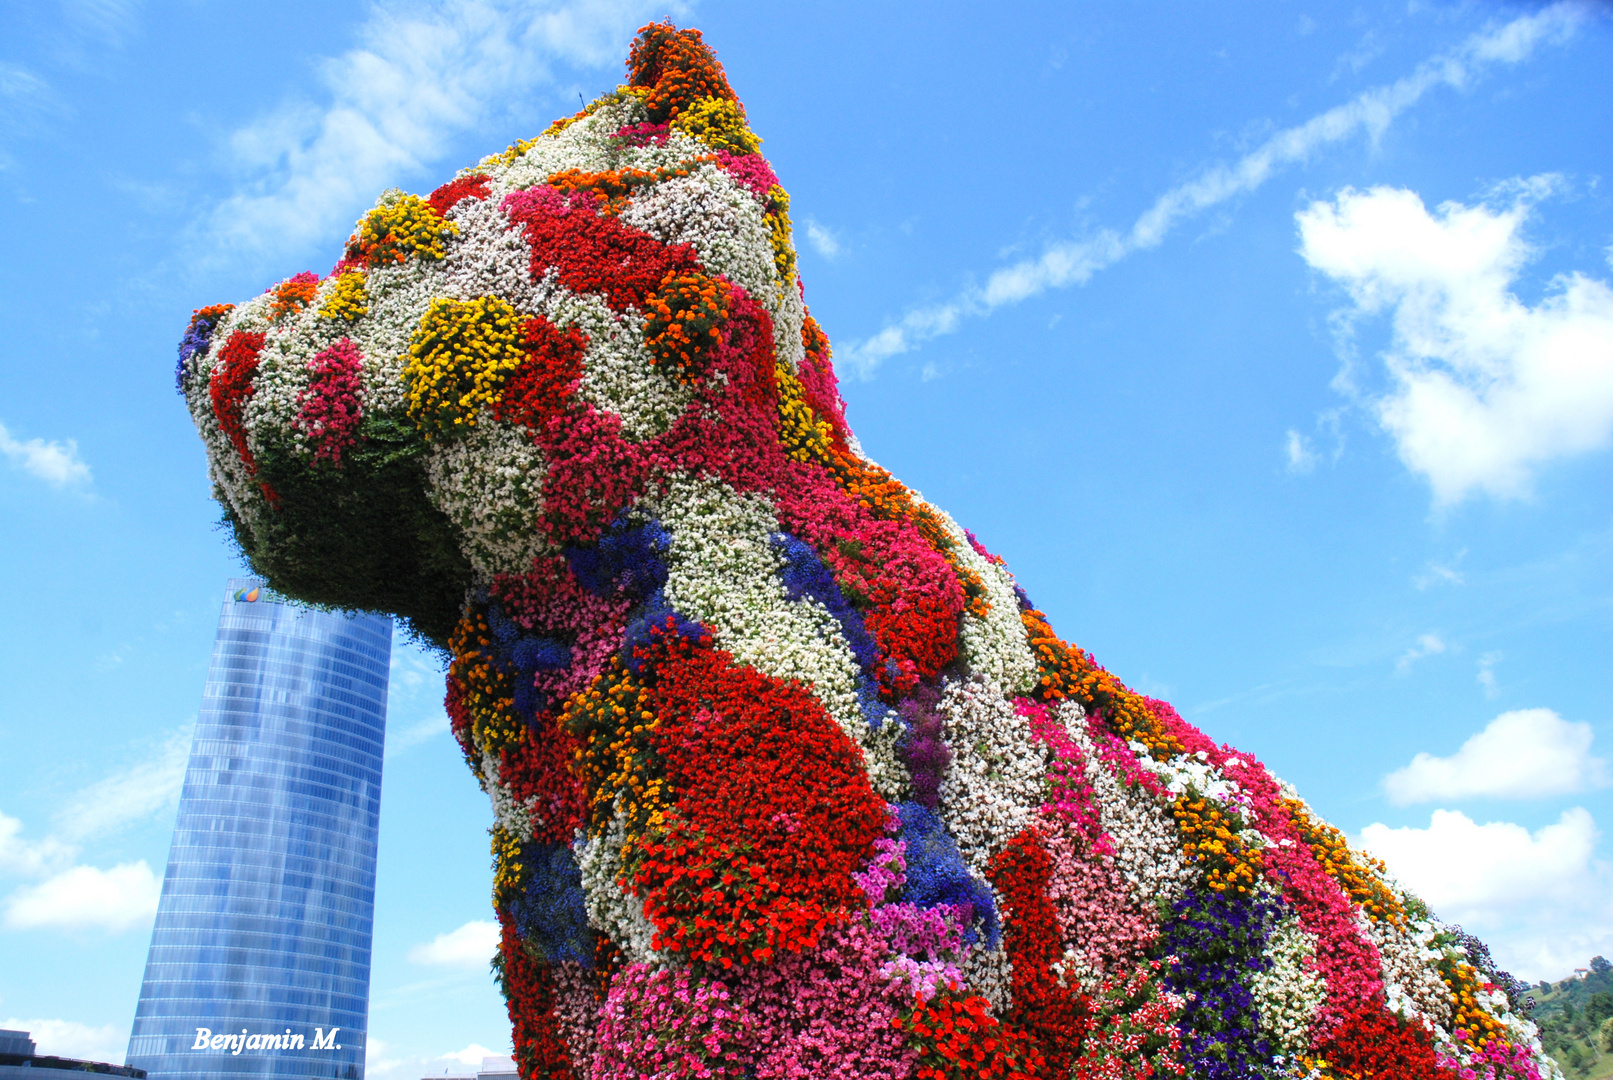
x=790, y=778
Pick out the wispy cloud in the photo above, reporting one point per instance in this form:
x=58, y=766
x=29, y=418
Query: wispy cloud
x=26, y=101
x=112, y=21
x=822, y=239
x=1074, y=262
x=1486, y=676
x=129, y=796
x=1427, y=645
x=55, y=462
x=391, y=106
x=417, y=733
x=471, y=947
x=1301, y=458
x=1441, y=573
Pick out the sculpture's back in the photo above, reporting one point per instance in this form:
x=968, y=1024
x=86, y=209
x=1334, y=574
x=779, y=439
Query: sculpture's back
x=790, y=778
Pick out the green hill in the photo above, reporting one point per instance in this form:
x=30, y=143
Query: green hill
x=1576, y=1021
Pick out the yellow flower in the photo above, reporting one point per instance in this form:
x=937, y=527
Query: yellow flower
x=348, y=300
x=459, y=360
x=720, y=124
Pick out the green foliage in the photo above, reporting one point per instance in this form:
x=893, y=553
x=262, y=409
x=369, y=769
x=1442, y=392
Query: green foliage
x=1575, y=1017
x=361, y=535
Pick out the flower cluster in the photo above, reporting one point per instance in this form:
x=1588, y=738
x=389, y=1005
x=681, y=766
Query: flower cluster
x=293, y=294
x=684, y=319
x=1216, y=940
x=198, y=336
x=348, y=301
x=959, y=1039
x=788, y=776
x=231, y=385
x=459, y=361
x=330, y=409
x=400, y=227
x=1133, y=1033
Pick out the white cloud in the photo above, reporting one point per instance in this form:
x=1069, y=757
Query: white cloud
x=1074, y=262
x=417, y=733
x=1486, y=676
x=1485, y=388
x=392, y=105
x=128, y=797
x=1427, y=645
x=54, y=462
x=86, y=897
x=1523, y=754
x=471, y=1055
x=69, y=1038
x=1441, y=573
x=30, y=858
x=471, y=946
x=822, y=240
x=384, y=1061
x=1301, y=458
x=376, y=1062
x=1538, y=899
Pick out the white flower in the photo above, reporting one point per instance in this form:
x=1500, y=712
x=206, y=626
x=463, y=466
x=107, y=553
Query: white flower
x=507, y=811
x=722, y=570
x=1148, y=847
x=488, y=480
x=1291, y=991
x=996, y=781
x=612, y=910
x=996, y=645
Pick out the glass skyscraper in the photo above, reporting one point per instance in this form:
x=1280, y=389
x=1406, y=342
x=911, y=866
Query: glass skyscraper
x=260, y=958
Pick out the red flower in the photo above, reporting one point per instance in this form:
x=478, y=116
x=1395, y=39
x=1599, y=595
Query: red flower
x=231, y=385
x=547, y=378
x=529, y=993
x=1373, y=1044
x=450, y=194
x=749, y=865
x=1056, y=1016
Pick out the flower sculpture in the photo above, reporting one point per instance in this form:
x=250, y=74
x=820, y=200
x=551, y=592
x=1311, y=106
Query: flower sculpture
x=790, y=778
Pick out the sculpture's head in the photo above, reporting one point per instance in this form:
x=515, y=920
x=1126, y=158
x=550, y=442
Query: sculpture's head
x=498, y=370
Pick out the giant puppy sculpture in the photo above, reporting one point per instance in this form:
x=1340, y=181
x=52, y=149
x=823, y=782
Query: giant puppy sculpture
x=789, y=777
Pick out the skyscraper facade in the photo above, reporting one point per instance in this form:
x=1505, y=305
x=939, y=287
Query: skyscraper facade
x=260, y=958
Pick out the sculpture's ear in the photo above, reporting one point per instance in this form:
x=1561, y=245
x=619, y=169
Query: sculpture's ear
x=360, y=535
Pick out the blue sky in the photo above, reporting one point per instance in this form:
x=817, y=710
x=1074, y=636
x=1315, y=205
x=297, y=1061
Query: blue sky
x=1271, y=345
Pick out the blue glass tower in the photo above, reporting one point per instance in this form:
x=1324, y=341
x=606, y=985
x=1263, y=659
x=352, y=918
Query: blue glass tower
x=260, y=959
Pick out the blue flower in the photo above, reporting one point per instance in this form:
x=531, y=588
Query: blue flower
x=628, y=558
x=936, y=873
x=198, y=336
x=550, y=911
x=805, y=575
x=657, y=615
x=521, y=655
x=1219, y=940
